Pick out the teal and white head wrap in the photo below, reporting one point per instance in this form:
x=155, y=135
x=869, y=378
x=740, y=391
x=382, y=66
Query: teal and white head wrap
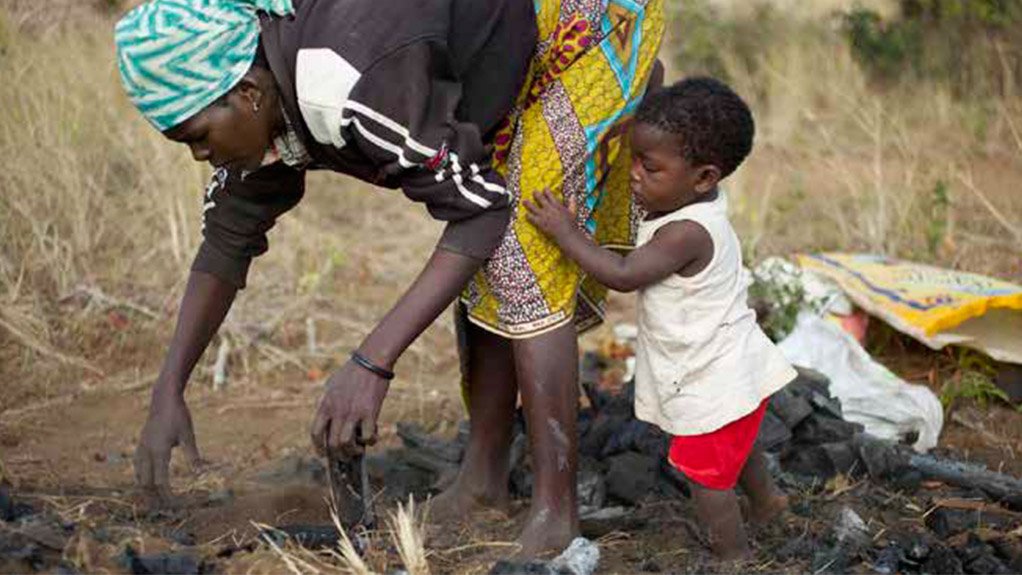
x=178, y=56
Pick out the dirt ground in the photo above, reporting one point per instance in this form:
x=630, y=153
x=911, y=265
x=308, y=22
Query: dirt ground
x=75, y=457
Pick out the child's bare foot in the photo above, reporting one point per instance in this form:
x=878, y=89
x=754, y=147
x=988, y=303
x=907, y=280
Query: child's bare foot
x=546, y=532
x=763, y=511
x=464, y=497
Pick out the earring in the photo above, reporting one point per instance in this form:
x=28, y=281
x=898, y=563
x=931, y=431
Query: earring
x=255, y=107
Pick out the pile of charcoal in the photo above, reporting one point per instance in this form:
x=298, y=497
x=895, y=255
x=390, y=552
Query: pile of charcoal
x=970, y=525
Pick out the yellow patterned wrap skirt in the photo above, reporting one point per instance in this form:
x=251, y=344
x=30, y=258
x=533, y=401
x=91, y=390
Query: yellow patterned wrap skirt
x=567, y=134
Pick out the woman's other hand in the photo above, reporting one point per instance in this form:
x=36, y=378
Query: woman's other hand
x=346, y=418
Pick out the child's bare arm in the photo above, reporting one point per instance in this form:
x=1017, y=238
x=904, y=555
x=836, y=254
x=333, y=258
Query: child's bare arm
x=672, y=248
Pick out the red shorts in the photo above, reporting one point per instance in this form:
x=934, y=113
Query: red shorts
x=715, y=459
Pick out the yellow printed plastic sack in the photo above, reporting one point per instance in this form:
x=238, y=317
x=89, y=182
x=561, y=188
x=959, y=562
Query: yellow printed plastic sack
x=938, y=307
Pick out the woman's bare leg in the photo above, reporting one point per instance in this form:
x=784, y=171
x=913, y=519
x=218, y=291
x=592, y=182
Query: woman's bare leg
x=492, y=392
x=547, y=368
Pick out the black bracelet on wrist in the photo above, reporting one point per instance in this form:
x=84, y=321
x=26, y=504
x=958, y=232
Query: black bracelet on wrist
x=364, y=363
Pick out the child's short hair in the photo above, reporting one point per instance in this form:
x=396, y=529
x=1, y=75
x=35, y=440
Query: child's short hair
x=714, y=123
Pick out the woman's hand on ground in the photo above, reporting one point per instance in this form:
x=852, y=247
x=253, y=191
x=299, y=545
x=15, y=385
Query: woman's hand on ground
x=550, y=215
x=346, y=419
x=169, y=425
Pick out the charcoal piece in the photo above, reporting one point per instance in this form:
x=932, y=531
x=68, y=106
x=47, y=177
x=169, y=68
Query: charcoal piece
x=1009, y=548
x=519, y=446
x=987, y=565
x=773, y=433
x=47, y=532
x=18, y=554
x=11, y=510
x=631, y=477
x=654, y=442
x=1000, y=488
x=811, y=380
x=790, y=408
x=520, y=483
x=350, y=490
x=307, y=536
x=795, y=548
x=826, y=405
x=605, y=425
x=843, y=456
x=821, y=461
x=398, y=478
x=592, y=489
x=810, y=460
x=505, y=567
x=589, y=370
x=888, y=560
x=650, y=566
x=818, y=430
x=220, y=497
x=978, y=557
x=182, y=537
x=427, y=461
x=160, y=564
x=942, y=560
x=416, y=438
x=1009, y=379
x=464, y=430
x=947, y=521
x=610, y=520
x=636, y=435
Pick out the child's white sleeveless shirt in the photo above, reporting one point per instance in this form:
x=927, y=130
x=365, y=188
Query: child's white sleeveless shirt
x=702, y=361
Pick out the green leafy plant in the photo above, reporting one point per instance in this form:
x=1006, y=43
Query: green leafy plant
x=973, y=386
x=974, y=381
x=778, y=298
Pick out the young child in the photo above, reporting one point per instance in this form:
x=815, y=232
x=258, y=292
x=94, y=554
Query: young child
x=704, y=369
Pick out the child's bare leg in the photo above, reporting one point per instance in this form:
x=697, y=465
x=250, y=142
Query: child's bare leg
x=547, y=368
x=719, y=514
x=492, y=391
x=766, y=501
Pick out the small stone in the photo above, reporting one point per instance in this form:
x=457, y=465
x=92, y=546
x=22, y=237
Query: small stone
x=580, y=558
x=918, y=552
x=850, y=528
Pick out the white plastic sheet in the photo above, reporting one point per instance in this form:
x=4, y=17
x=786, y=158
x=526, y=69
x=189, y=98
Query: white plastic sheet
x=870, y=394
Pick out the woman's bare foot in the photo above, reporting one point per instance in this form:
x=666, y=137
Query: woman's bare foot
x=546, y=532
x=465, y=497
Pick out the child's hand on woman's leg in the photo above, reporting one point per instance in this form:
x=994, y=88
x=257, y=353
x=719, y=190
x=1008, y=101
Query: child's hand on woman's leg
x=550, y=215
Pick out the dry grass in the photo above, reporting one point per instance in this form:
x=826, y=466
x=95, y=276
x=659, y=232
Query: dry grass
x=100, y=217
x=842, y=164
x=405, y=530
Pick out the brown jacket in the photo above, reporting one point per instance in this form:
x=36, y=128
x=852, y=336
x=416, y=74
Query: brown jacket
x=398, y=93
